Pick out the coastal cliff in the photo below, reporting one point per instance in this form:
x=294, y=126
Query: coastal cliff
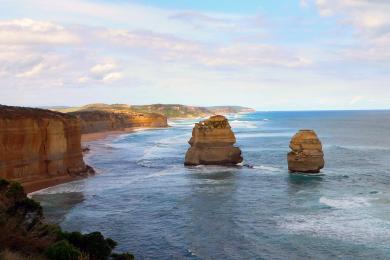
x=212, y=143
x=94, y=121
x=40, y=148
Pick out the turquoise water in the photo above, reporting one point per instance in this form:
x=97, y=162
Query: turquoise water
x=145, y=198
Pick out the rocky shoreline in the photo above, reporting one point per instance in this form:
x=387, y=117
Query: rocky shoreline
x=42, y=148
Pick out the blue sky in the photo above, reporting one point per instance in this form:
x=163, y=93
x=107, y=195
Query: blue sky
x=270, y=55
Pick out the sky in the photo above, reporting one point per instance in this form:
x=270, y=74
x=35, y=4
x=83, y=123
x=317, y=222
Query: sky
x=268, y=55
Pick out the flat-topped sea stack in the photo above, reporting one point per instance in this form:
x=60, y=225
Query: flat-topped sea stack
x=40, y=148
x=306, y=155
x=212, y=143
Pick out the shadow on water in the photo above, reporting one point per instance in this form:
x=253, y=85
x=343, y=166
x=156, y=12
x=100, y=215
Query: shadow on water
x=298, y=182
x=218, y=175
x=57, y=205
x=212, y=210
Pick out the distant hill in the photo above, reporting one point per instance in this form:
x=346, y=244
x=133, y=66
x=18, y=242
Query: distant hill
x=230, y=109
x=174, y=110
x=168, y=110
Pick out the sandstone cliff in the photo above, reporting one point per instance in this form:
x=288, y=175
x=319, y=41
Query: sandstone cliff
x=94, y=121
x=306, y=155
x=39, y=148
x=212, y=143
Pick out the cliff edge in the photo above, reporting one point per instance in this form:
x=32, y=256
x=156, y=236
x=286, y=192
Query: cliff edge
x=94, y=121
x=40, y=148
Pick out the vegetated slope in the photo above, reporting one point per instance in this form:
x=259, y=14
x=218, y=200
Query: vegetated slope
x=168, y=110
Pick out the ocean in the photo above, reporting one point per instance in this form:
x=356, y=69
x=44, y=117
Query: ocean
x=156, y=208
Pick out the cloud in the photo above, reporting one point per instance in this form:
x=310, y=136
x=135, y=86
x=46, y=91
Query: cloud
x=34, y=71
x=86, y=45
x=28, y=31
x=105, y=72
x=170, y=48
x=219, y=22
x=364, y=14
x=371, y=23
x=100, y=69
x=112, y=76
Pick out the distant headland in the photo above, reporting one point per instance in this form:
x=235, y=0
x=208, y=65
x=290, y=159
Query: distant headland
x=168, y=110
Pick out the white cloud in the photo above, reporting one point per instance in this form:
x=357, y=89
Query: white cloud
x=111, y=77
x=182, y=54
x=100, y=69
x=27, y=31
x=107, y=72
x=34, y=71
x=170, y=48
x=371, y=22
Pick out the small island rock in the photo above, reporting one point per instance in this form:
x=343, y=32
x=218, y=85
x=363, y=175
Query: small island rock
x=212, y=143
x=306, y=155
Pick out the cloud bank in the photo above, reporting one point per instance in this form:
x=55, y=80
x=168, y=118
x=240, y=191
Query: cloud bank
x=134, y=53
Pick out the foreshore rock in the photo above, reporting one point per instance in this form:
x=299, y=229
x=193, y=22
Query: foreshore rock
x=212, y=144
x=306, y=155
x=95, y=121
x=40, y=148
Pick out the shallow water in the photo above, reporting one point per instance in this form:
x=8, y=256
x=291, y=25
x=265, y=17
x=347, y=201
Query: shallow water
x=156, y=208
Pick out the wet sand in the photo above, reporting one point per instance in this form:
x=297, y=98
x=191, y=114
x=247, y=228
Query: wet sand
x=85, y=138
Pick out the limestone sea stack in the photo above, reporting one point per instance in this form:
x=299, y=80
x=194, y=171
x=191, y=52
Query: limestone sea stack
x=306, y=155
x=40, y=148
x=212, y=143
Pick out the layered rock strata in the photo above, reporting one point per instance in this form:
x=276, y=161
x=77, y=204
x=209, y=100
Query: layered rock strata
x=306, y=155
x=212, y=144
x=40, y=148
x=94, y=121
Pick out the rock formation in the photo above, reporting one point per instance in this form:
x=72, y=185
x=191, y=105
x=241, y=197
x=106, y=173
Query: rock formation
x=39, y=148
x=212, y=143
x=306, y=155
x=94, y=121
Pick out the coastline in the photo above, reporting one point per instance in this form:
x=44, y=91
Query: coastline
x=44, y=183
x=86, y=138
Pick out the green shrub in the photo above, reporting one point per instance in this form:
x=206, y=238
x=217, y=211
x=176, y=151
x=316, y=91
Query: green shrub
x=50, y=230
x=94, y=244
x=30, y=205
x=62, y=250
x=3, y=183
x=24, y=206
x=124, y=256
x=15, y=191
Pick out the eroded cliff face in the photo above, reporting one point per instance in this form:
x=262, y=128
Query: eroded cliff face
x=306, y=155
x=212, y=143
x=94, y=121
x=39, y=148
